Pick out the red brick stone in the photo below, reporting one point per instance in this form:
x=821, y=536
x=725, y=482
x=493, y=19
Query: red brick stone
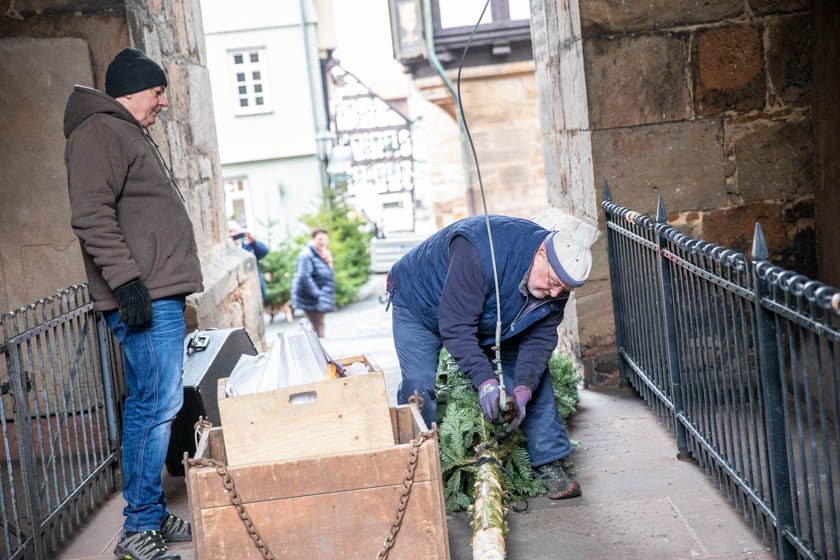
x=728, y=70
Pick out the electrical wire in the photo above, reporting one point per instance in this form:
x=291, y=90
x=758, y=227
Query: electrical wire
x=498, y=347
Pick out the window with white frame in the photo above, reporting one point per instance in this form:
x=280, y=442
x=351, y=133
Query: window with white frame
x=249, y=81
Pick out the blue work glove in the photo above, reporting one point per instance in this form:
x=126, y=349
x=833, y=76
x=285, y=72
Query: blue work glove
x=488, y=398
x=135, y=303
x=521, y=395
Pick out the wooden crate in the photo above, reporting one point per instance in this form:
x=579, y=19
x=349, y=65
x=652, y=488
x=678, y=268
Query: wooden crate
x=347, y=414
x=337, y=507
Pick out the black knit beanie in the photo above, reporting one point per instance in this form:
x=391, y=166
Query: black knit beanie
x=132, y=71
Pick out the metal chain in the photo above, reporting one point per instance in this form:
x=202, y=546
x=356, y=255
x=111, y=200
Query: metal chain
x=236, y=501
x=408, y=483
x=227, y=480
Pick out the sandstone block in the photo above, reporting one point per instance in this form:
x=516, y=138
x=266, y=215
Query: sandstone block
x=39, y=253
x=682, y=161
x=789, y=57
x=775, y=160
x=636, y=80
x=728, y=70
x=202, y=124
x=568, y=166
x=790, y=239
x=734, y=227
x=608, y=16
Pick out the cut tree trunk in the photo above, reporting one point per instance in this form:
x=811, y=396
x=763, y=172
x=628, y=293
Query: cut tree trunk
x=488, y=511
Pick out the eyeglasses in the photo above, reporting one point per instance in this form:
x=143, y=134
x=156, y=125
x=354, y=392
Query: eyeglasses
x=552, y=284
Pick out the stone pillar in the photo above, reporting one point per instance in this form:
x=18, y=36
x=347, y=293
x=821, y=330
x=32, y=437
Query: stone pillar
x=567, y=151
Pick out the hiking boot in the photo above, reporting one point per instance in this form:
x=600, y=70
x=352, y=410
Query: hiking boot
x=143, y=545
x=558, y=483
x=175, y=529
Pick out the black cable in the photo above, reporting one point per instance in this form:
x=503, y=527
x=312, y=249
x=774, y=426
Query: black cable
x=497, y=348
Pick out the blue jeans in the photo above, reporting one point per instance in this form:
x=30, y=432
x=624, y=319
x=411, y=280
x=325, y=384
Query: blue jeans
x=154, y=358
x=418, y=349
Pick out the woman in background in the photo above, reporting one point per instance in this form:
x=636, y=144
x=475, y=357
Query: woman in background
x=313, y=287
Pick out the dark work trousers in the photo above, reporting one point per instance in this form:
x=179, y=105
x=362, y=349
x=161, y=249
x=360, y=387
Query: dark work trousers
x=418, y=350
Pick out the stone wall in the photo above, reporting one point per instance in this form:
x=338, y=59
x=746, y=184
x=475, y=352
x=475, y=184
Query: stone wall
x=500, y=103
x=707, y=104
x=39, y=254
x=46, y=47
x=43, y=54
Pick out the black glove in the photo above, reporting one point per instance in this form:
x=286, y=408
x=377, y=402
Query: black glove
x=135, y=303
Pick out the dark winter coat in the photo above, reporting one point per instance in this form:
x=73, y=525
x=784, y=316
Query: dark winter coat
x=450, y=276
x=127, y=212
x=313, y=286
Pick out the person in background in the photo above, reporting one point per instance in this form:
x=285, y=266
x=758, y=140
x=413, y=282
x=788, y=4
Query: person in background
x=313, y=286
x=443, y=294
x=142, y=262
x=250, y=244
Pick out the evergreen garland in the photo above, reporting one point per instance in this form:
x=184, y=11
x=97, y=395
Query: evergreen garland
x=461, y=427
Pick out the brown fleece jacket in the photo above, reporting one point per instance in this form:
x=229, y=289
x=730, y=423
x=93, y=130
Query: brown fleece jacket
x=127, y=212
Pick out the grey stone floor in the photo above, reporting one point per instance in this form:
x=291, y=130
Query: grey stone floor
x=638, y=500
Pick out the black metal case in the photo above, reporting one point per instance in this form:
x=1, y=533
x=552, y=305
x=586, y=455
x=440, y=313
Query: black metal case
x=209, y=355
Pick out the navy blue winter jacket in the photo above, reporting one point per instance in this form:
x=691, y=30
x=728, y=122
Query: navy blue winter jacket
x=447, y=283
x=313, y=286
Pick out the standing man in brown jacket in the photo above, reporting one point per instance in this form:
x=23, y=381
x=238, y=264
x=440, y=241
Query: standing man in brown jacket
x=141, y=262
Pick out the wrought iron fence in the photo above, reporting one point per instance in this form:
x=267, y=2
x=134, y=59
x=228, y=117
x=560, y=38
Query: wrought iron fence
x=740, y=357
x=58, y=418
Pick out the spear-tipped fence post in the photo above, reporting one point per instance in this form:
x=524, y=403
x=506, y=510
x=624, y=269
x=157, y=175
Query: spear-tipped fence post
x=614, y=289
x=774, y=412
x=670, y=317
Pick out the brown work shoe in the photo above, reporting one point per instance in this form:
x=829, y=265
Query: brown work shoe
x=557, y=482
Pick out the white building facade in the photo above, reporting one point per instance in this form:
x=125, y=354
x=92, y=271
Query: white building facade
x=268, y=99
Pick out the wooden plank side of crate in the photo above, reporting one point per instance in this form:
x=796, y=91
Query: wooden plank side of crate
x=195, y=519
x=344, y=525
x=346, y=414
x=438, y=502
x=406, y=425
x=427, y=493
x=394, y=424
x=318, y=475
x=411, y=423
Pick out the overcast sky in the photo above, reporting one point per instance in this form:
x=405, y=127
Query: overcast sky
x=363, y=33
